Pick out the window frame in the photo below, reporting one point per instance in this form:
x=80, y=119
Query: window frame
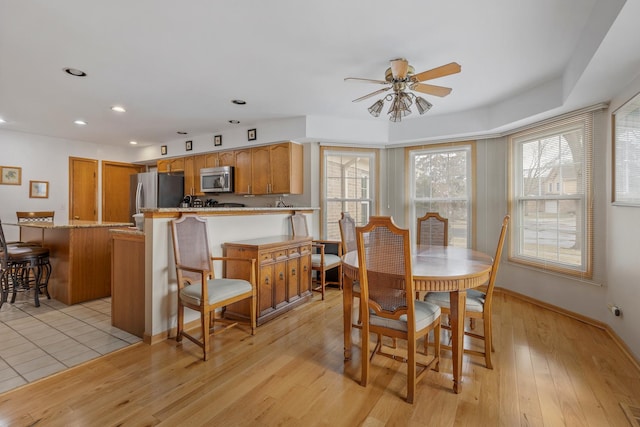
x=374, y=155
x=412, y=215
x=553, y=128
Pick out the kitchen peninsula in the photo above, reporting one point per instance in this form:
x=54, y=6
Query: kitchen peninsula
x=224, y=225
x=80, y=256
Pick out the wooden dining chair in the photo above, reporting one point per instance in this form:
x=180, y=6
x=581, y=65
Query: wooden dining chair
x=388, y=307
x=327, y=254
x=24, y=268
x=347, y=227
x=478, y=303
x=199, y=289
x=433, y=230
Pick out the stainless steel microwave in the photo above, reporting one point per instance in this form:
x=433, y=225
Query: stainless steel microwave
x=217, y=180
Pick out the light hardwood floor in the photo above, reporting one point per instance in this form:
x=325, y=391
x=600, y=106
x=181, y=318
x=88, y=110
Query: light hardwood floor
x=549, y=370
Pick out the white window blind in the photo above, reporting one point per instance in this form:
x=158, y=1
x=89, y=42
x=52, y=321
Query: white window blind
x=627, y=153
x=550, y=189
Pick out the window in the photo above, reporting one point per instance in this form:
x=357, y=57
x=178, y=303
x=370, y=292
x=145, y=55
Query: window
x=552, y=229
x=440, y=178
x=626, y=153
x=348, y=186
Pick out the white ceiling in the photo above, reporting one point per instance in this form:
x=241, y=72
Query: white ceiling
x=176, y=65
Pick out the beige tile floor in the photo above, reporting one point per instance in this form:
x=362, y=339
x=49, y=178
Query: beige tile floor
x=39, y=341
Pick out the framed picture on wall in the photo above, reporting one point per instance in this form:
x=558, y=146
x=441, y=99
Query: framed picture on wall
x=251, y=134
x=163, y=150
x=217, y=140
x=188, y=146
x=626, y=154
x=39, y=189
x=10, y=175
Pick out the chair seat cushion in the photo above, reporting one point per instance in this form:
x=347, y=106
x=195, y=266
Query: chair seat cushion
x=356, y=287
x=329, y=259
x=217, y=289
x=426, y=314
x=475, y=300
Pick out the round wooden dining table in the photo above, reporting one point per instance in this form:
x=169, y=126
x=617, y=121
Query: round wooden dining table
x=435, y=269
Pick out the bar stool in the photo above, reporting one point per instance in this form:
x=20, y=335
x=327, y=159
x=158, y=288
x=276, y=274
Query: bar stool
x=23, y=267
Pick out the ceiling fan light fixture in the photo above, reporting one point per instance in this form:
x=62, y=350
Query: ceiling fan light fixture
x=376, y=108
x=423, y=105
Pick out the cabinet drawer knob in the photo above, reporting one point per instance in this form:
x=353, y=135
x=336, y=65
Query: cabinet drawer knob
x=293, y=271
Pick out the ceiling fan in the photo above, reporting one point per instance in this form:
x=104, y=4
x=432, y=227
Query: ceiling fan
x=401, y=77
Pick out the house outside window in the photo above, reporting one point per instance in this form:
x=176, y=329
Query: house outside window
x=348, y=186
x=441, y=180
x=550, y=189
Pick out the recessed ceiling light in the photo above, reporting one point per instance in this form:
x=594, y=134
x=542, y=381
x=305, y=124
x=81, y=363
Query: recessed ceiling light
x=80, y=122
x=234, y=122
x=181, y=132
x=118, y=109
x=74, y=72
x=238, y=101
x=2, y=120
x=133, y=142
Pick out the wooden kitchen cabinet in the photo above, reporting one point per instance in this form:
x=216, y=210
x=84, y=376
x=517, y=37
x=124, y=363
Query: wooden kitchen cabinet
x=171, y=165
x=243, y=172
x=283, y=274
x=220, y=158
x=277, y=169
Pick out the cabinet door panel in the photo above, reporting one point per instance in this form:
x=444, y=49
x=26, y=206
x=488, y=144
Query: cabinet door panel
x=305, y=274
x=261, y=178
x=293, y=293
x=280, y=284
x=265, y=290
x=243, y=171
x=226, y=158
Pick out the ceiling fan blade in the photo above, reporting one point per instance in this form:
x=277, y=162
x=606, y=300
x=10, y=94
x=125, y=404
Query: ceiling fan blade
x=431, y=89
x=382, y=82
x=372, y=94
x=399, y=68
x=434, y=73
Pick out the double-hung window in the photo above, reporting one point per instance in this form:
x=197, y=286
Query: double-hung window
x=550, y=190
x=441, y=180
x=349, y=184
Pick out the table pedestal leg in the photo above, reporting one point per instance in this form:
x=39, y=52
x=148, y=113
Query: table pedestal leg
x=457, y=301
x=347, y=307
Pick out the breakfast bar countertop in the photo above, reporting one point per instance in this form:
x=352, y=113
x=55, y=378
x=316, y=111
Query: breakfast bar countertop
x=72, y=223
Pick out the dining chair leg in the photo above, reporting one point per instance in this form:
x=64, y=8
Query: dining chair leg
x=364, y=354
x=180, y=326
x=206, y=323
x=488, y=342
x=411, y=370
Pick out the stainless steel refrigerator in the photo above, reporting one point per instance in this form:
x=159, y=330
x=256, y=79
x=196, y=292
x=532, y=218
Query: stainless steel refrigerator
x=155, y=190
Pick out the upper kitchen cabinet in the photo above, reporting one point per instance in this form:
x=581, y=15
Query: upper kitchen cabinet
x=171, y=165
x=220, y=158
x=277, y=169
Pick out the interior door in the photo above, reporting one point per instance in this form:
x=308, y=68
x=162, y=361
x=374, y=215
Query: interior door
x=83, y=189
x=115, y=190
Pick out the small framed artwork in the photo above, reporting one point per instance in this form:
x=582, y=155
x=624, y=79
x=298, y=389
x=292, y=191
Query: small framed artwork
x=188, y=146
x=163, y=150
x=217, y=140
x=10, y=175
x=39, y=189
x=251, y=134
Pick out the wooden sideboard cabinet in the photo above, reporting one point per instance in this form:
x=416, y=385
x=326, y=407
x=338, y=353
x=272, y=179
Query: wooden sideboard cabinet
x=283, y=274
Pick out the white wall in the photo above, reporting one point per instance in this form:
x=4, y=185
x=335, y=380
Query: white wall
x=622, y=249
x=43, y=158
